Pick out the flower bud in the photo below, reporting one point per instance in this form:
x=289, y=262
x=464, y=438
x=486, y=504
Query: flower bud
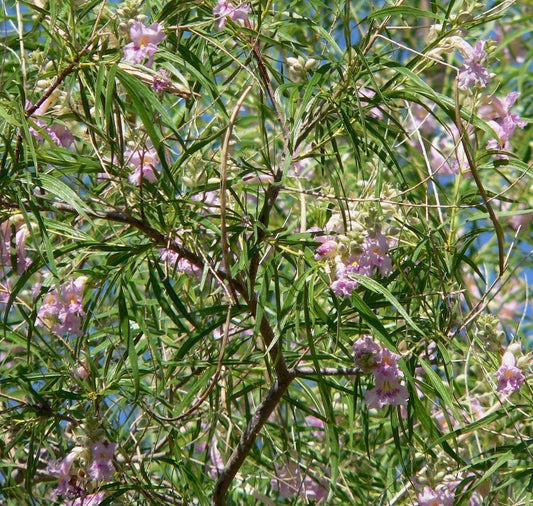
x=515, y=349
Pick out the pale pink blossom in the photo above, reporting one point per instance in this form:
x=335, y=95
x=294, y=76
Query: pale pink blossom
x=388, y=389
x=510, y=377
x=58, y=134
x=225, y=10
x=366, y=354
x=343, y=287
x=69, y=484
x=291, y=484
x=472, y=72
x=500, y=118
x=375, y=254
x=447, y=153
x=144, y=42
x=328, y=249
x=216, y=463
x=19, y=260
x=178, y=263
x=63, y=312
x=431, y=497
x=168, y=255
x=317, y=424
x=210, y=201
x=102, y=468
x=161, y=81
x=144, y=163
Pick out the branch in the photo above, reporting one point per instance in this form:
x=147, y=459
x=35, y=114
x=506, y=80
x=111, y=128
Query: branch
x=326, y=371
x=248, y=438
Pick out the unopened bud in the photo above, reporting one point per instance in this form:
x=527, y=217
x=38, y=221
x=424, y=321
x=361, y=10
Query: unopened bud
x=515, y=349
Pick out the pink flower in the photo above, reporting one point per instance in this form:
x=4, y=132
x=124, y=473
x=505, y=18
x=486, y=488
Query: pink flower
x=20, y=259
x=366, y=354
x=317, y=424
x=447, y=154
x=388, y=359
x=224, y=10
x=168, y=255
x=101, y=468
x=144, y=163
x=178, y=263
x=431, y=497
x=144, y=41
x=63, y=312
x=501, y=120
x=49, y=310
x=161, y=81
x=472, y=72
x=58, y=134
x=343, y=287
x=327, y=249
x=187, y=267
x=510, y=377
x=374, y=254
x=289, y=483
x=209, y=200
x=68, y=485
x=217, y=463
x=387, y=390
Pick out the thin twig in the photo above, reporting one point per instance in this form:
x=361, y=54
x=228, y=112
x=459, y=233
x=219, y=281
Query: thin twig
x=223, y=180
x=497, y=227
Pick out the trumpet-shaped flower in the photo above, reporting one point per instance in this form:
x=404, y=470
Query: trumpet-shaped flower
x=328, y=249
x=472, y=72
x=290, y=483
x=144, y=163
x=366, y=354
x=69, y=484
x=374, y=254
x=431, y=497
x=102, y=468
x=224, y=10
x=510, y=377
x=144, y=42
x=388, y=389
x=502, y=120
x=20, y=260
x=63, y=311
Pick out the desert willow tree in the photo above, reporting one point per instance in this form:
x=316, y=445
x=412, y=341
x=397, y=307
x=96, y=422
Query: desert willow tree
x=265, y=252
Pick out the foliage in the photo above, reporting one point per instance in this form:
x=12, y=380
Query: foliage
x=204, y=207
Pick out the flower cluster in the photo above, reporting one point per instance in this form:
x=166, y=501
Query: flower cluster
x=225, y=10
x=81, y=465
x=63, y=311
x=371, y=358
x=349, y=257
x=144, y=42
